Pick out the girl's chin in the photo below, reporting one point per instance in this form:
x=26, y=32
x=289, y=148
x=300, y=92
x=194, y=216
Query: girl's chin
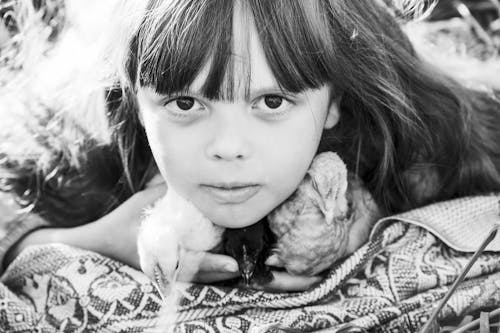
x=232, y=223
x=234, y=220
x=234, y=216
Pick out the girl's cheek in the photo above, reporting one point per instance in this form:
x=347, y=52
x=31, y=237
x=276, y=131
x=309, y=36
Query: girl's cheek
x=178, y=153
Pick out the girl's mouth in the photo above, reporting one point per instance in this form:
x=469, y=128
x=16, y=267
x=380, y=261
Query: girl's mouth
x=231, y=194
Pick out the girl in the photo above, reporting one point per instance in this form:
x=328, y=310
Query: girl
x=229, y=101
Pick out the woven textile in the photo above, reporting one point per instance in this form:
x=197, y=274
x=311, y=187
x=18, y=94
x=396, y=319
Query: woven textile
x=389, y=285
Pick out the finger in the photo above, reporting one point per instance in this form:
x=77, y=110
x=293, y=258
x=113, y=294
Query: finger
x=145, y=198
x=286, y=282
x=153, y=193
x=155, y=181
x=197, y=265
x=213, y=262
x=208, y=277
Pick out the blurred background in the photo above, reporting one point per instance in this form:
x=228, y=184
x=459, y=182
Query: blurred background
x=474, y=25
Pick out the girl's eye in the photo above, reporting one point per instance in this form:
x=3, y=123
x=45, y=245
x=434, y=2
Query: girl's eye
x=185, y=103
x=273, y=105
x=183, y=106
x=273, y=101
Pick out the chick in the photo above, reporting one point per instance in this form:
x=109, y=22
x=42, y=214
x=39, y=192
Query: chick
x=174, y=225
x=325, y=219
x=250, y=247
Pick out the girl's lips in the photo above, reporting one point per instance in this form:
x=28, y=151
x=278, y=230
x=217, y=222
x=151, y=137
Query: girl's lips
x=231, y=195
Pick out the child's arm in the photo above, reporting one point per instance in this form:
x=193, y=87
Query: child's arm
x=115, y=236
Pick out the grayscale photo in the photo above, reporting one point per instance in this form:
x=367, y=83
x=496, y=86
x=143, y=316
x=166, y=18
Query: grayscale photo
x=249, y=166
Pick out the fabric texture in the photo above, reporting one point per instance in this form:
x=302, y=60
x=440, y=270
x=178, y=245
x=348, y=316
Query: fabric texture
x=16, y=229
x=462, y=224
x=390, y=284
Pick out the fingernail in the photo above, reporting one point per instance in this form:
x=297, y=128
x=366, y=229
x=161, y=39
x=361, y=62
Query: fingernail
x=232, y=267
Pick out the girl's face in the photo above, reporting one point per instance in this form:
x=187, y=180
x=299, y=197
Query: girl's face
x=237, y=160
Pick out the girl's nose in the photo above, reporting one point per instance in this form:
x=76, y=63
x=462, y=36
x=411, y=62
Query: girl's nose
x=229, y=141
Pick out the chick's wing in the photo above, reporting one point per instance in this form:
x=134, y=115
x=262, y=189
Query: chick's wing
x=311, y=226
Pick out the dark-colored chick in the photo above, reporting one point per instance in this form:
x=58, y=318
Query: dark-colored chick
x=250, y=247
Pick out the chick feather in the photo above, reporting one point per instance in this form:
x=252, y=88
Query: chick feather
x=313, y=226
x=170, y=227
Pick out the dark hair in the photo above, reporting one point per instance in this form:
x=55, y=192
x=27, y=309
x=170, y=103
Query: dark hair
x=413, y=134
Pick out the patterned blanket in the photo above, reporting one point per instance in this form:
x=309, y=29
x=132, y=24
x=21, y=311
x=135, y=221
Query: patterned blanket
x=389, y=285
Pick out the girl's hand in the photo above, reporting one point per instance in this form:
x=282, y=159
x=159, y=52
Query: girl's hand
x=284, y=281
x=212, y=268
x=218, y=267
x=119, y=230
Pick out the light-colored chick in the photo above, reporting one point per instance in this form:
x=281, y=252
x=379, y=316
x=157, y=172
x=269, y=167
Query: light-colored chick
x=325, y=219
x=174, y=225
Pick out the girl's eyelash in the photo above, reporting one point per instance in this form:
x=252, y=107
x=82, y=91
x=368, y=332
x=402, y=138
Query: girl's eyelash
x=170, y=98
x=283, y=95
x=180, y=113
x=275, y=114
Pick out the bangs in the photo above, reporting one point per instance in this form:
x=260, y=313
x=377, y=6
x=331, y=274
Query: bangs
x=177, y=40
x=297, y=42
